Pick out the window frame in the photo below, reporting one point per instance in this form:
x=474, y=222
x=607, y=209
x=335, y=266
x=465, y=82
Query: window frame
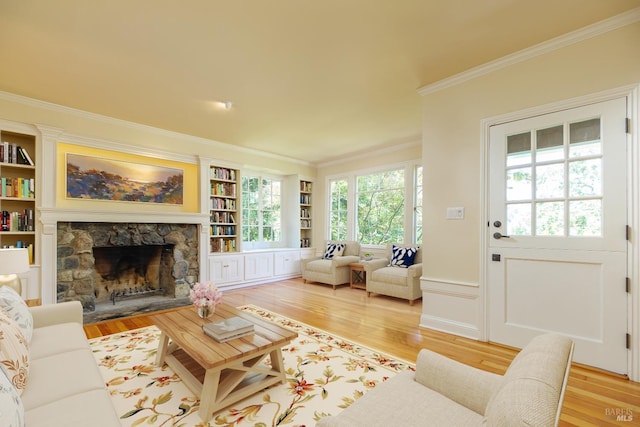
x=260, y=243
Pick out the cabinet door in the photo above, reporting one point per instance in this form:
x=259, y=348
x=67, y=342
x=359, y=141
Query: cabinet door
x=226, y=269
x=258, y=266
x=287, y=262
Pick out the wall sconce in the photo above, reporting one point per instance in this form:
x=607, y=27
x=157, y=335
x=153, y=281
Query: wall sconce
x=12, y=262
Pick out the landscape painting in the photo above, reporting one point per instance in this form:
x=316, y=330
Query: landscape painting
x=96, y=178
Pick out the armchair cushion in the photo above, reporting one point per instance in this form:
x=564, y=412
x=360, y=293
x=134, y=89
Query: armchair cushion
x=333, y=250
x=403, y=256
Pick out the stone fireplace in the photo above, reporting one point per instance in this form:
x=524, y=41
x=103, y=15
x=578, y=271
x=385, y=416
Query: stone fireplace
x=103, y=264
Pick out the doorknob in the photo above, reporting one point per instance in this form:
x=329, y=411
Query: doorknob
x=497, y=235
x=497, y=224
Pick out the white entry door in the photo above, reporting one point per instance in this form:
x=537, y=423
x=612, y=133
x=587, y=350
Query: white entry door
x=557, y=246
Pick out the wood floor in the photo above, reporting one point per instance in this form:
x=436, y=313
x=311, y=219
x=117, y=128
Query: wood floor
x=593, y=397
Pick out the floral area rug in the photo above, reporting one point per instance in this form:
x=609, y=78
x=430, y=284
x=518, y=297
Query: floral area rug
x=325, y=374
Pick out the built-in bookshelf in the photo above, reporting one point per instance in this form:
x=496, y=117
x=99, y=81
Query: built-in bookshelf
x=18, y=191
x=306, y=228
x=224, y=209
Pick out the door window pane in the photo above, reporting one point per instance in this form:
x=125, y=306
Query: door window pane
x=585, y=178
x=519, y=219
x=519, y=149
x=519, y=184
x=550, y=144
x=550, y=181
x=550, y=219
x=585, y=218
x=584, y=138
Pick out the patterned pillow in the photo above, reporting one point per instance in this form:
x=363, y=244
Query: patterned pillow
x=12, y=303
x=333, y=250
x=11, y=408
x=14, y=352
x=402, y=257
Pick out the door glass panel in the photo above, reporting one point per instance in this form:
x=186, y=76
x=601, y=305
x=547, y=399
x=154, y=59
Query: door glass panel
x=519, y=219
x=550, y=181
x=584, y=138
x=585, y=178
x=550, y=144
x=550, y=219
x=585, y=218
x=519, y=149
x=519, y=184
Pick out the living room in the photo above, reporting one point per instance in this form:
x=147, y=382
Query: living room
x=455, y=111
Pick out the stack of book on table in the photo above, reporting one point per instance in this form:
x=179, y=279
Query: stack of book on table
x=228, y=329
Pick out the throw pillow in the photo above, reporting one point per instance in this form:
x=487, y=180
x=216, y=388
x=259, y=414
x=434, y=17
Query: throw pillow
x=14, y=352
x=402, y=257
x=11, y=408
x=333, y=250
x=14, y=305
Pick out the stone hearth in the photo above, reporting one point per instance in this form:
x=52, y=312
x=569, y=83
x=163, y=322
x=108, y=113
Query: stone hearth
x=105, y=264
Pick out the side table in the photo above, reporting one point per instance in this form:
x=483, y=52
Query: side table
x=357, y=276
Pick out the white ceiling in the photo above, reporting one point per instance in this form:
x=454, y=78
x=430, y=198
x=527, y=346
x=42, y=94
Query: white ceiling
x=308, y=80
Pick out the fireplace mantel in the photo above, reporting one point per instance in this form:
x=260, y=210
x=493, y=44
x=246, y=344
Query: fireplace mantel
x=49, y=217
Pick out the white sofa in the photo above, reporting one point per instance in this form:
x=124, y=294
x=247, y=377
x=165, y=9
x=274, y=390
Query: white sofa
x=443, y=392
x=331, y=271
x=396, y=282
x=64, y=386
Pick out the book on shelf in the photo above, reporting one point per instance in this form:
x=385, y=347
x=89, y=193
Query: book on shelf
x=228, y=329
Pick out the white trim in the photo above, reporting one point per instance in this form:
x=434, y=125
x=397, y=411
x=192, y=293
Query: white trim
x=371, y=152
x=448, y=282
x=630, y=17
x=632, y=92
x=11, y=97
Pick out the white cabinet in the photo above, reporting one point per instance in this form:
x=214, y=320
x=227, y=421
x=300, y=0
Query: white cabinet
x=258, y=265
x=286, y=263
x=226, y=269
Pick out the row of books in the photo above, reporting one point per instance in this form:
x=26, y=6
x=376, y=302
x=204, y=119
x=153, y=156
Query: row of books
x=223, y=244
x=17, y=187
x=305, y=186
x=305, y=223
x=223, y=189
x=222, y=173
x=222, y=217
x=222, y=230
x=228, y=329
x=13, y=153
x=229, y=204
x=305, y=199
x=18, y=221
x=305, y=213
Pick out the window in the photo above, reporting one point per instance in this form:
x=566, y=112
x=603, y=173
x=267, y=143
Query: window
x=338, y=209
x=380, y=207
x=261, y=210
x=417, y=211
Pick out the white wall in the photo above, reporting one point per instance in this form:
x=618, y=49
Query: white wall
x=453, y=297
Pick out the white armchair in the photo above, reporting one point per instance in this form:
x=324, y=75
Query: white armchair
x=394, y=281
x=331, y=271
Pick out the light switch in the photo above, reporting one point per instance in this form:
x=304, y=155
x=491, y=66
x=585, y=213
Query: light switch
x=455, y=213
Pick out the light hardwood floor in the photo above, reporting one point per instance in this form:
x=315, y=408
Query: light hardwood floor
x=391, y=325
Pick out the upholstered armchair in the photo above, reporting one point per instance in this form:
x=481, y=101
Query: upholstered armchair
x=386, y=277
x=334, y=271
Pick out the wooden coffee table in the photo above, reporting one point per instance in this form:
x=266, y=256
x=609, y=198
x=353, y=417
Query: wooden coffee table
x=220, y=373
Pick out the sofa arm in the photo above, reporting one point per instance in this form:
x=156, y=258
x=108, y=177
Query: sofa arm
x=53, y=314
x=461, y=383
x=375, y=264
x=341, y=261
x=415, y=270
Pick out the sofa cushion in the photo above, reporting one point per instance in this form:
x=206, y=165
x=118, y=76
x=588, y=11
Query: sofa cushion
x=11, y=409
x=320, y=266
x=55, y=339
x=62, y=375
x=402, y=256
x=14, y=352
x=333, y=250
x=92, y=408
x=14, y=305
x=390, y=276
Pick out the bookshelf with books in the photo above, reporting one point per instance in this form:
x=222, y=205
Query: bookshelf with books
x=306, y=228
x=223, y=209
x=17, y=191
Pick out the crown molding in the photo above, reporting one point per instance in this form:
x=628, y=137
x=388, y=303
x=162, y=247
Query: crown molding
x=371, y=152
x=32, y=102
x=630, y=17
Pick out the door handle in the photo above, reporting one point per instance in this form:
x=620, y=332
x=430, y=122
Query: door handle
x=497, y=235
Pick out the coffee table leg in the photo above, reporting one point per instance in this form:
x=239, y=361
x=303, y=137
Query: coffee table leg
x=277, y=363
x=162, y=349
x=209, y=394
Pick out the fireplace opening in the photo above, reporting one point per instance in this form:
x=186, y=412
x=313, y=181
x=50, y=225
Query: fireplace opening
x=125, y=272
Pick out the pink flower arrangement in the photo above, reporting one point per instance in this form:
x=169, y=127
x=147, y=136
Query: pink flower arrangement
x=205, y=294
